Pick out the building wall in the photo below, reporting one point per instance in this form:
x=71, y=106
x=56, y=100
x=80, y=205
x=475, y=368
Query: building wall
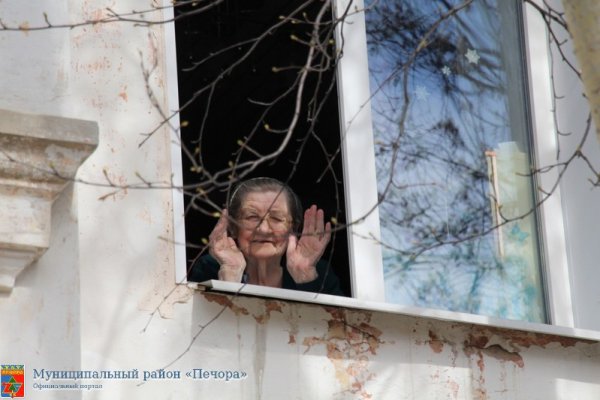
x=103, y=297
x=580, y=196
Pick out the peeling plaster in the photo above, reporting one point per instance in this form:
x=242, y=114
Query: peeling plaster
x=225, y=301
x=349, y=346
x=292, y=318
x=435, y=343
x=504, y=347
x=260, y=354
x=504, y=350
x=501, y=344
x=270, y=305
x=350, y=340
x=483, y=362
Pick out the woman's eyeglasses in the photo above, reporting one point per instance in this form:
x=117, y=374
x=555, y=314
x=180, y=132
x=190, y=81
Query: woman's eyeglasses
x=251, y=220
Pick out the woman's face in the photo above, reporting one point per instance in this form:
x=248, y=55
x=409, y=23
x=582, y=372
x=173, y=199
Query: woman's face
x=264, y=224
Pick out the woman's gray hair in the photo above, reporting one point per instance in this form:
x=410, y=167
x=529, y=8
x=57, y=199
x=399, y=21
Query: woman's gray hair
x=264, y=184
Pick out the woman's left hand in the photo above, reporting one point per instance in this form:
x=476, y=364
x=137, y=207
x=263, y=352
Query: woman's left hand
x=304, y=253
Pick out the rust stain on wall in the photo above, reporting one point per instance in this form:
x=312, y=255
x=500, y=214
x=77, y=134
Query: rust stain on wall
x=97, y=65
x=526, y=339
x=91, y=12
x=269, y=306
x=225, y=301
x=480, y=345
x=480, y=391
x=292, y=318
x=349, y=345
x=499, y=353
x=504, y=345
x=520, y=339
x=123, y=94
x=435, y=343
x=453, y=388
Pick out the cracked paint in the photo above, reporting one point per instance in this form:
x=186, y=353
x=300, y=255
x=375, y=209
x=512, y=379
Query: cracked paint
x=518, y=340
x=482, y=363
x=480, y=345
x=261, y=318
x=501, y=344
x=435, y=343
x=504, y=350
x=225, y=301
x=292, y=319
x=349, y=346
x=269, y=305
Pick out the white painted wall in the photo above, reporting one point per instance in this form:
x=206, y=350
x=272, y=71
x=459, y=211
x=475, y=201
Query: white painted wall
x=581, y=201
x=87, y=304
x=35, y=66
x=41, y=323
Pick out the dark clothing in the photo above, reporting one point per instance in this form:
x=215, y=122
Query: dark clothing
x=206, y=268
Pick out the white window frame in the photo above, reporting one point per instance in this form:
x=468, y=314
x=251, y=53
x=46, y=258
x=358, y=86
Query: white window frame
x=360, y=177
x=179, y=241
x=366, y=263
x=545, y=143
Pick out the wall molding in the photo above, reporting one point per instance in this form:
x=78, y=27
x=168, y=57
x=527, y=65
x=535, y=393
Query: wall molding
x=39, y=156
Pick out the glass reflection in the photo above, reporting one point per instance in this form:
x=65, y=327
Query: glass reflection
x=452, y=146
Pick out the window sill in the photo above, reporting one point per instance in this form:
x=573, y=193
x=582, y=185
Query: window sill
x=239, y=289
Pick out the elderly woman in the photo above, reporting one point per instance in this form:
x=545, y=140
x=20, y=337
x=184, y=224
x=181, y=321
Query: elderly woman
x=254, y=241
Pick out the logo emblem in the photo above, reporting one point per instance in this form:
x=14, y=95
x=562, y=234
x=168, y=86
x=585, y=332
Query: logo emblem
x=12, y=381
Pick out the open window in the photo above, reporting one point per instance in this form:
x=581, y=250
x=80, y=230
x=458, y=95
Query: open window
x=257, y=100
x=438, y=120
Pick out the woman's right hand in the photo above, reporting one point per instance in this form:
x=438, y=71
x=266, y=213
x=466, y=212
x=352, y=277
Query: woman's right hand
x=224, y=249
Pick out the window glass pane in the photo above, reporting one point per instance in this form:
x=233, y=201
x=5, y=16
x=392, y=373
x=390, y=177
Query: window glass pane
x=452, y=144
